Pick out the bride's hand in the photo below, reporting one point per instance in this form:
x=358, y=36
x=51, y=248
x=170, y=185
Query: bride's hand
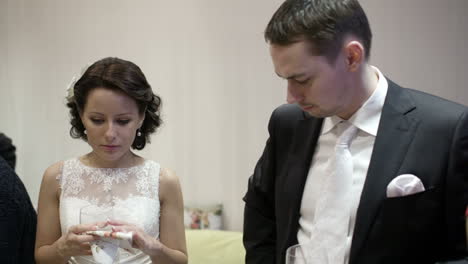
x=140, y=240
x=75, y=242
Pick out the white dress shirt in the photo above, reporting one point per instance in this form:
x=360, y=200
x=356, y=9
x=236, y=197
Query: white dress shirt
x=366, y=119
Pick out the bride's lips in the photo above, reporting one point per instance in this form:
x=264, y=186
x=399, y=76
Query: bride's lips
x=110, y=148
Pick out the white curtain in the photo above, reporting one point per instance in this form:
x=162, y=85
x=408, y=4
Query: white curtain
x=208, y=61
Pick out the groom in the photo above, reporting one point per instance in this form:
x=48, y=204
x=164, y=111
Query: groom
x=322, y=48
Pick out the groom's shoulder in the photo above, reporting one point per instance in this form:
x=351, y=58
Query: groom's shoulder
x=289, y=112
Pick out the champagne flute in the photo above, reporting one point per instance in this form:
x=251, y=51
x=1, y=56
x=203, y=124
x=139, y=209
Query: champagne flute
x=93, y=213
x=103, y=251
x=306, y=253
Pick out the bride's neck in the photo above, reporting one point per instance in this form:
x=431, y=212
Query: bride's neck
x=127, y=160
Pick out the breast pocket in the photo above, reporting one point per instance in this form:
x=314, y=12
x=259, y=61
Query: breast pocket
x=412, y=222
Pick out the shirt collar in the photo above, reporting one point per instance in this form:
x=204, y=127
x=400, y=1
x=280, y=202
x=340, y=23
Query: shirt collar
x=367, y=117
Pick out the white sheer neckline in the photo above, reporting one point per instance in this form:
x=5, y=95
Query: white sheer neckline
x=126, y=194
x=141, y=164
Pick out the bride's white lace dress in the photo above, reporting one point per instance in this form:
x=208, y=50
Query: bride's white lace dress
x=131, y=194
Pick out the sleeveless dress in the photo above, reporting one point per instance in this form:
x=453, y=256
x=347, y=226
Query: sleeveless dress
x=125, y=194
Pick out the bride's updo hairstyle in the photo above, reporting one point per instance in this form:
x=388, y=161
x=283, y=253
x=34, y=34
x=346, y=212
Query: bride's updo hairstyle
x=119, y=75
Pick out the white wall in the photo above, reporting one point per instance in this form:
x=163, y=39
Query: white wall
x=422, y=44
x=208, y=61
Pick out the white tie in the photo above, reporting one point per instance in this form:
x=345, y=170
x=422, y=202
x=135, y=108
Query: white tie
x=332, y=211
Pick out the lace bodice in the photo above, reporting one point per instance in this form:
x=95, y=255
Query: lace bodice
x=96, y=194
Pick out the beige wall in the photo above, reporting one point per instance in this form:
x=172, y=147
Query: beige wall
x=208, y=61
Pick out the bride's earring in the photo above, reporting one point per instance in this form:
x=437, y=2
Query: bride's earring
x=86, y=133
x=138, y=133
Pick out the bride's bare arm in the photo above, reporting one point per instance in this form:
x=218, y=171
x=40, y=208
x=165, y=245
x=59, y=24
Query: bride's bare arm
x=48, y=221
x=172, y=231
x=51, y=245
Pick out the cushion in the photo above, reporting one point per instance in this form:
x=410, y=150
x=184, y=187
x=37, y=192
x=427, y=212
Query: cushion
x=209, y=217
x=214, y=247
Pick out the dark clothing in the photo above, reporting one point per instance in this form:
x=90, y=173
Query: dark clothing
x=7, y=150
x=418, y=134
x=17, y=219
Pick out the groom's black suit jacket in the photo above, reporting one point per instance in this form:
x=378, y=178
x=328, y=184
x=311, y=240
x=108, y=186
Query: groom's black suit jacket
x=418, y=134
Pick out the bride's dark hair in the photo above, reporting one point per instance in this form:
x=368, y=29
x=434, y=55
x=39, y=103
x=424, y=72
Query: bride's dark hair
x=120, y=75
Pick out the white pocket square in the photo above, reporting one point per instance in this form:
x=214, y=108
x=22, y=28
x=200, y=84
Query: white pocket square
x=403, y=185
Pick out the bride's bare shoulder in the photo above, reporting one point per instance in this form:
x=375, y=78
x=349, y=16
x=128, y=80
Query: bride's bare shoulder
x=168, y=183
x=53, y=172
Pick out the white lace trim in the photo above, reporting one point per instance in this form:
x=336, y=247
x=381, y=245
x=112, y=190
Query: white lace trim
x=131, y=194
x=107, y=177
x=73, y=173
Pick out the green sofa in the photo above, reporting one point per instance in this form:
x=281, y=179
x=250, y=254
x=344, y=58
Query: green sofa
x=214, y=247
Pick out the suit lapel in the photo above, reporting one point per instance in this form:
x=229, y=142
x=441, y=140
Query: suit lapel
x=395, y=133
x=300, y=157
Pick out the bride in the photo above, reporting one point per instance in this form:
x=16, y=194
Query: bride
x=113, y=109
